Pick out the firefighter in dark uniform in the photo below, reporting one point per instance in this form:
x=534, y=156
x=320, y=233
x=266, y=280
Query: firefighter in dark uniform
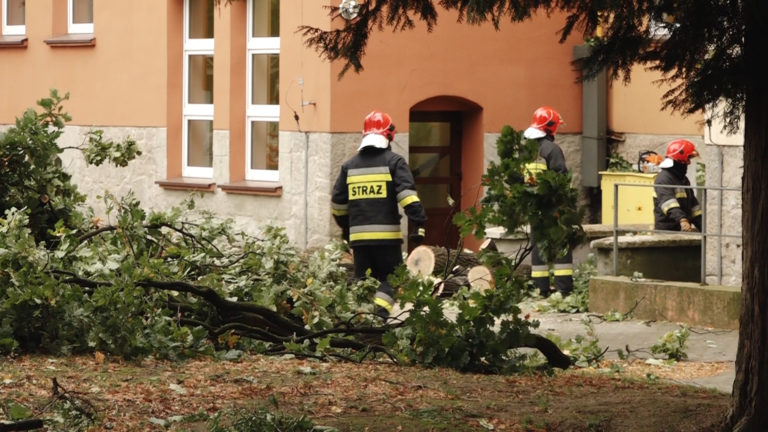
x=676, y=209
x=365, y=202
x=542, y=129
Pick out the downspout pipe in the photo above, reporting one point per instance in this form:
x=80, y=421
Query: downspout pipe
x=594, y=123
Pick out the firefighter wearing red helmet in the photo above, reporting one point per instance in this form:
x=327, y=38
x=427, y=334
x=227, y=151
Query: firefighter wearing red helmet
x=676, y=208
x=365, y=199
x=543, y=127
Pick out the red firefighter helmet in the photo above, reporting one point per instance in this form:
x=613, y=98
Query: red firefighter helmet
x=377, y=122
x=681, y=150
x=545, y=122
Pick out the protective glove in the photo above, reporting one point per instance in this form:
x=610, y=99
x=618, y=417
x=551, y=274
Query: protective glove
x=685, y=226
x=418, y=236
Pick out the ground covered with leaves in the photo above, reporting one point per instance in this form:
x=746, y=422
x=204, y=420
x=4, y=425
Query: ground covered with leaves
x=107, y=297
x=185, y=396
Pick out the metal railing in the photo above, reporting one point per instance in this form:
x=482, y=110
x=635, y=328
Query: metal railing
x=704, y=234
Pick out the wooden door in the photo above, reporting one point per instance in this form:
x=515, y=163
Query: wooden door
x=435, y=159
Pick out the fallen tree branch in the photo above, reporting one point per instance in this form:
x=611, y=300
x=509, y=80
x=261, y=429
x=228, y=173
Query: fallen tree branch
x=258, y=322
x=549, y=349
x=270, y=320
x=22, y=425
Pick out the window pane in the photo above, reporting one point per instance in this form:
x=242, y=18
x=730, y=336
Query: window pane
x=432, y=134
x=82, y=11
x=200, y=19
x=15, y=12
x=200, y=79
x=200, y=143
x=430, y=164
x=266, y=18
x=433, y=195
x=264, y=145
x=264, y=80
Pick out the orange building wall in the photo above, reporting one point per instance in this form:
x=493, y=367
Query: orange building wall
x=174, y=90
x=637, y=108
x=121, y=81
x=508, y=73
x=305, y=78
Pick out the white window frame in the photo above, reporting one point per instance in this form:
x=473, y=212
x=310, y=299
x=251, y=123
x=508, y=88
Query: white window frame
x=258, y=112
x=12, y=30
x=193, y=47
x=72, y=27
x=187, y=170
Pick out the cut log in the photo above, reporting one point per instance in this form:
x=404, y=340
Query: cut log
x=480, y=278
x=450, y=286
x=434, y=261
x=489, y=245
x=421, y=261
x=438, y=261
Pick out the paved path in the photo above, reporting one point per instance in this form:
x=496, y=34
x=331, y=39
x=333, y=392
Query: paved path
x=704, y=344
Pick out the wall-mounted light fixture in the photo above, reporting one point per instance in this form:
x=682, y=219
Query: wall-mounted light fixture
x=349, y=9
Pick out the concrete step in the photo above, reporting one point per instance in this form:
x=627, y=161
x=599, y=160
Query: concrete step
x=684, y=302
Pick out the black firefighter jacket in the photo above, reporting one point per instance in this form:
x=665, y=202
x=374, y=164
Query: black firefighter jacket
x=672, y=204
x=367, y=193
x=550, y=158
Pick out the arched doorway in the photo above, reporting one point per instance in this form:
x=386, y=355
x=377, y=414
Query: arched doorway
x=446, y=157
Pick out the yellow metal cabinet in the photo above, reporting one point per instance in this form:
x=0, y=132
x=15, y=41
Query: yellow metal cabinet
x=635, y=202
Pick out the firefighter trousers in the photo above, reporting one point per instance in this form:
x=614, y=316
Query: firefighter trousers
x=382, y=261
x=563, y=269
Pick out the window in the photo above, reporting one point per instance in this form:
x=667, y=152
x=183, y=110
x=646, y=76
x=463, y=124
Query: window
x=80, y=16
x=197, y=128
x=13, y=14
x=263, y=99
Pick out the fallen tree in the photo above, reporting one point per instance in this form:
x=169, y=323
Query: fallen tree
x=160, y=284
x=180, y=283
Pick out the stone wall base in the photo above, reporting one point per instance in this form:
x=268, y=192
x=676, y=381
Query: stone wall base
x=684, y=302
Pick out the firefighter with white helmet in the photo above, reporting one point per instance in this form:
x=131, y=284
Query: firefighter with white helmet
x=676, y=209
x=543, y=127
x=366, y=195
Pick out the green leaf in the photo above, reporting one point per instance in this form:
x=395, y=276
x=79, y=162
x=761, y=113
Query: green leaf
x=18, y=412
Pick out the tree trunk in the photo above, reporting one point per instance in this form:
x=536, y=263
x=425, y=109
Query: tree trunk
x=750, y=388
